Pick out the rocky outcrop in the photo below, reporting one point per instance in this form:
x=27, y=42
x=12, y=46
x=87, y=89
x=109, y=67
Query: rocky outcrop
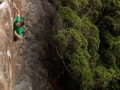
x=22, y=70
x=6, y=46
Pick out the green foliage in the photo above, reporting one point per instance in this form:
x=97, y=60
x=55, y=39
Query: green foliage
x=89, y=41
x=103, y=76
x=91, y=32
x=76, y=52
x=73, y=43
x=93, y=15
x=111, y=9
x=75, y=4
x=66, y=14
x=114, y=85
x=108, y=50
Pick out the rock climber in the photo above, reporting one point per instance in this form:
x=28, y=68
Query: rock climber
x=18, y=26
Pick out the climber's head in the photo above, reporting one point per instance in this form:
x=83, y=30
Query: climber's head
x=21, y=23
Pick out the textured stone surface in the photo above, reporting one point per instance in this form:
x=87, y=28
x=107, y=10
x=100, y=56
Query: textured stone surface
x=22, y=70
x=31, y=75
x=6, y=43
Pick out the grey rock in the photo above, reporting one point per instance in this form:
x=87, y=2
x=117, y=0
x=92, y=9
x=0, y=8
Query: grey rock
x=21, y=67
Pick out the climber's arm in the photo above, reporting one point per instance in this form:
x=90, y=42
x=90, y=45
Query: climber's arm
x=20, y=37
x=18, y=11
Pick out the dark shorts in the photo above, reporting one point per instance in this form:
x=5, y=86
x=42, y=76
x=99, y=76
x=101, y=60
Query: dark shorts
x=16, y=38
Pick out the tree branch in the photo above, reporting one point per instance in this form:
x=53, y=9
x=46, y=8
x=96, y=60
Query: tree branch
x=62, y=59
x=91, y=7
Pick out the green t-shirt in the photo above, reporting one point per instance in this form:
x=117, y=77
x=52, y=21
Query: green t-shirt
x=18, y=29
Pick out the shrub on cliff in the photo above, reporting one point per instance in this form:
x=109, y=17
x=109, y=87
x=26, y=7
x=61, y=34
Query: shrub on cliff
x=89, y=41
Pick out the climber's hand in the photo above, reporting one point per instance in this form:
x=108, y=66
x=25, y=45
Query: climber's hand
x=20, y=37
x=15, y=33
x=18, y=11
x=14, y=6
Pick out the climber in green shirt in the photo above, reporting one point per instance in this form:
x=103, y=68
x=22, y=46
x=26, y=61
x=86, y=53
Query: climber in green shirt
x=18, y=26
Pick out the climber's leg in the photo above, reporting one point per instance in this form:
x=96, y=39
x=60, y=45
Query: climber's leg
x=15, y=39
x=14, y=45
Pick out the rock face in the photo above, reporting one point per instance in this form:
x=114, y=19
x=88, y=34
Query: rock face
x=6, y=45
x=22, y=69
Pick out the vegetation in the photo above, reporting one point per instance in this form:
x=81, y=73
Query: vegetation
x=88, y=43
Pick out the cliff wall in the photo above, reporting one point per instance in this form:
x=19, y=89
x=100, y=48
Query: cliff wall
x=22, y=69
